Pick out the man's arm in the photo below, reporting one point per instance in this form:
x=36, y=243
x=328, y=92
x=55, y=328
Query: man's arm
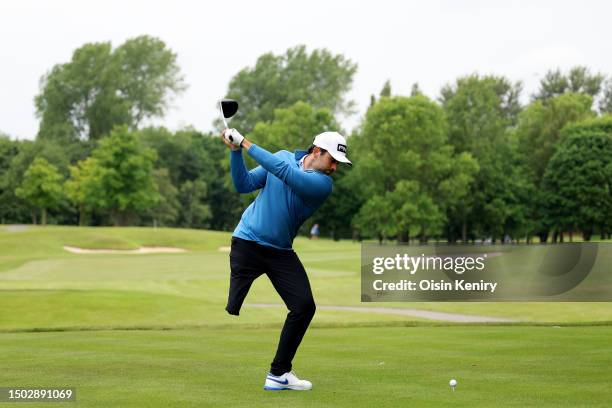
x=311, y=186
x=245, y=181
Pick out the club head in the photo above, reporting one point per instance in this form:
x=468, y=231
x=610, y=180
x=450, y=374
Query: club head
x=228, y=107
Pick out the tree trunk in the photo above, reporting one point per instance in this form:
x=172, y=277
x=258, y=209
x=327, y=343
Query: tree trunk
x=43, y=216
x=81, y=215
x=554, y=236
x=423, y=236
x=34, y=217
x=464, y=231
x=402, y=237
x=120, y=218
x=115, y=217
x=450, y=235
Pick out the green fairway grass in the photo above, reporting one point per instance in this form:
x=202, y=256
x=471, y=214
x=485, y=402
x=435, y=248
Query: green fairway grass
x=47, y=287
x=151, y=330
x=350, y=367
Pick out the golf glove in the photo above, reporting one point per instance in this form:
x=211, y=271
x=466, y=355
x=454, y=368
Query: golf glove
x=233, y=136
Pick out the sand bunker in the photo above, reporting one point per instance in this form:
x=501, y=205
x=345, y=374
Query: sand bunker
x=16, y=228
x=141, y=250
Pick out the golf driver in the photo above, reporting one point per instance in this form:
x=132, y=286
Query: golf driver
x=227, y=108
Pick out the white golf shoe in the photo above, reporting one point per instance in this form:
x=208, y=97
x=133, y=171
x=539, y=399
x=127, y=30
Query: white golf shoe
x=287, y=381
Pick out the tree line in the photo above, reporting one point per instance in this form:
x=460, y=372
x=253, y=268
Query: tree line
x=472, y=164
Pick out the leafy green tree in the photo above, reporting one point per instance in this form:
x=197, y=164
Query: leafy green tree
x=84, y=188
x=8, y=150
x=318, y=78
x=27, y=151
x=149, y=76
x=384, y=92
x=537, y=135
x=126, y=181
x=605, y=104
x=415, y=90
x=540, y=125
x=481, y=110
x=406, y=139
x=101, y=88
x=414, y=210
x=386, y=89
x=398, y=137
x=579, y=79
x=195, y=213
x=455, y=190
x=577, y=182
x=372, y=100
x=173, y=153
x=41, y=187
x=373, y=219
x=166, y=209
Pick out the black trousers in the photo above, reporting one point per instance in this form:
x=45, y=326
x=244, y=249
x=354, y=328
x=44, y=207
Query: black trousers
x=248, y=261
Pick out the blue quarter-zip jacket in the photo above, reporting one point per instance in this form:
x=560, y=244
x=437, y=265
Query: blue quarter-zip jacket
x=288, y=196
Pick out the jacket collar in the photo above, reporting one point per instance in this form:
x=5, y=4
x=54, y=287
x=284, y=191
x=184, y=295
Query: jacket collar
x=299, y=154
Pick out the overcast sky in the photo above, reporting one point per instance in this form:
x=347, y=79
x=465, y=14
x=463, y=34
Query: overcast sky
x=429, y=42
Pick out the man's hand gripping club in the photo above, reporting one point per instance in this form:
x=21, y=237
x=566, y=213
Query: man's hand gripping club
x=234, y=140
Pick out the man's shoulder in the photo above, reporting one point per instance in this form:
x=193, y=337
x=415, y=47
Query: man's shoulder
x=323, y=181
x=285, y=156
x=283, y=153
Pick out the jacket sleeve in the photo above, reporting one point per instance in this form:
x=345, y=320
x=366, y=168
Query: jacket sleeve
x=313, y=187
x=246, y=181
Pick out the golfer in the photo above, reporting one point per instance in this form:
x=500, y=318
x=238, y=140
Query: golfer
x=293, y=186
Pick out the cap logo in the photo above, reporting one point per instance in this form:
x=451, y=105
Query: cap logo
x=341, y=148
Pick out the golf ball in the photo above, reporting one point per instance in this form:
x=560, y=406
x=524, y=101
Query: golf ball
x=453, y=382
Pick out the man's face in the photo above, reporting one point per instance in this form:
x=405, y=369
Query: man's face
x=324, y=162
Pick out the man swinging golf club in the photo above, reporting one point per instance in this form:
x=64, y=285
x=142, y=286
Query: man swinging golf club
x=293, y=186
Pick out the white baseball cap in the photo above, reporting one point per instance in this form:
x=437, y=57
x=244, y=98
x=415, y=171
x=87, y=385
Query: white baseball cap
x=334, y=143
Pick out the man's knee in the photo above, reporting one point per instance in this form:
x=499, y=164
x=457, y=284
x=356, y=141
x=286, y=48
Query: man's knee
x=304, y=307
